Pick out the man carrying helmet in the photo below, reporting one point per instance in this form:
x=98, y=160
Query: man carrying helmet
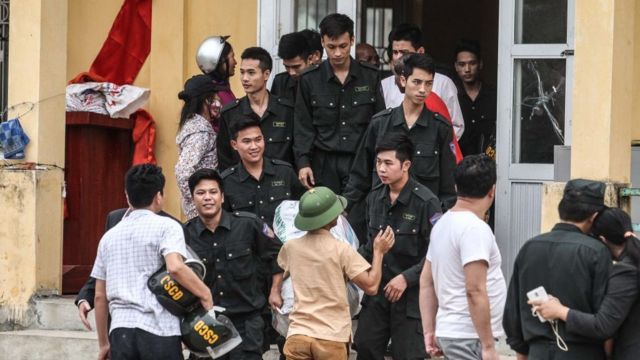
x=128, y=254
x=320, y=323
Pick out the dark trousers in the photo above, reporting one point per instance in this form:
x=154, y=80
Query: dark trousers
x=137, y=344
x=331, y=169
x=251, y=330
x=380, y=321
x=548, y=350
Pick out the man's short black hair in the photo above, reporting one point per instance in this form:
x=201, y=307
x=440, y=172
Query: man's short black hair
x=204, y=174
x=244, y=123
x=417, y=61
x=406, y=32
x=475, y=176
x=313, y=39
x=292, y=45
x=260, y=54
x=576, y=211
x=334, y=25
x=468, y=45
x=142, y=183
x=398, y=142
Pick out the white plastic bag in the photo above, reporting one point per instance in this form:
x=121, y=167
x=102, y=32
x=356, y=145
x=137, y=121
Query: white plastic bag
x=285, y=229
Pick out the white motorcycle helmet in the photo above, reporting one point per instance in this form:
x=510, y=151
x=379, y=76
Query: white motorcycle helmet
x=209, y=53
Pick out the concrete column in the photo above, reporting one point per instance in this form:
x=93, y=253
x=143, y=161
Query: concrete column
x=602, y=92
x=31, y=189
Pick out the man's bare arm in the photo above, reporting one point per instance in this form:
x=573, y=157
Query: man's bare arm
x=102, y=319
x=475, y=274
x=369, y=281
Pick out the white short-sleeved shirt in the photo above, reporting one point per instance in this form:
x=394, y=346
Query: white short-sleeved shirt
x=128, y=254
x=457, y=239
x=443, y=86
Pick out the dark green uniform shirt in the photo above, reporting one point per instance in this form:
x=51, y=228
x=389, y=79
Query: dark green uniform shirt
x=433, y=159
x=571, y=266
x=276, y=124
x=240, y=245
x=284, y=86
x=411, y=217
x=242, y=192
x=330, y=116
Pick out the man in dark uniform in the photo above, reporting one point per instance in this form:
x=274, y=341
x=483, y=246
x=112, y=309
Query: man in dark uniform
x=296, y=57
x=275, y=114
x=335, y=102
x=257, y=184
x=410, y=209
x=232, y=246
x=433, y=160
x=569, y=264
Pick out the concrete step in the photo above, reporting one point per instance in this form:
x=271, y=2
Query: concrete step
x=58, y=313
x=36, y=344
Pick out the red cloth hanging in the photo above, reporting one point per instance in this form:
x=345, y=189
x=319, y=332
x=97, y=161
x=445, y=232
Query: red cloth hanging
x=434, y=103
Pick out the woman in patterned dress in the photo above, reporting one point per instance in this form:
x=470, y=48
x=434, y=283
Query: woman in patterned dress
x=196, y=138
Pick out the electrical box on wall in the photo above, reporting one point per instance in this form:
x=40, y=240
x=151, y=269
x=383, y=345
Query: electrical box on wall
x=561, y=163
x=635, y=183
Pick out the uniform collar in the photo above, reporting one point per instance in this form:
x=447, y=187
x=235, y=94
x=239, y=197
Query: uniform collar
x=355, y=71
x=398, y=118
x=225, y=222
x=566, y=227
x=405, y=193
x=267, y=168
x=245, y=106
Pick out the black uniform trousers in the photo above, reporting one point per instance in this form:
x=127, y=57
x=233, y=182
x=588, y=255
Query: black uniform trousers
x=380, y=321
x=251, y=330
x=137, y=344
x=548, y=350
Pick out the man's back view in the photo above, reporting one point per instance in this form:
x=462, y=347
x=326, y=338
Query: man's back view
x=569, y=264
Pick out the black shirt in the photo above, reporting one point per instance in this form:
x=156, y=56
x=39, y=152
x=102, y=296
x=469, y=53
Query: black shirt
x=571, y=266
x=411, y=217
x=479, y=120
x=330, y=116
x=284, y=86
x=240, y=245
x=278, y=182
x=433, y=159
x=276, y=125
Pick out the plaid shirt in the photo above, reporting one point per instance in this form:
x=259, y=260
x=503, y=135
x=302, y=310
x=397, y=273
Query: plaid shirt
x=128, y=255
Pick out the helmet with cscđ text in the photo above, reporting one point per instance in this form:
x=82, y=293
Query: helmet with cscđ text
x=208, y=335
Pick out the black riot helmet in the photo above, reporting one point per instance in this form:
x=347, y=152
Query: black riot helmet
x=170, y=294
x=208, y=335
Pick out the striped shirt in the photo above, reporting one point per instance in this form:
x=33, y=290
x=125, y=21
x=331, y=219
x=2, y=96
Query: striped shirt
x=128, y=254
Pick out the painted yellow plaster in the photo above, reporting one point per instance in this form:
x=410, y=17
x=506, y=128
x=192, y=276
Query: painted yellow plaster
x=635, y=121
x=602, y=98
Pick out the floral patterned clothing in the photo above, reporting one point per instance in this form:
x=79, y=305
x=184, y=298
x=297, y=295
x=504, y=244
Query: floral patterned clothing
x=197, y=144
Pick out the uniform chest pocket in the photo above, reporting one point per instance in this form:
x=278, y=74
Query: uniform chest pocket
x=279, y=192
x=278, y=131
x=361, y=98
x=426, y=161
x=240, y=262
x=242, y=202
x=324, y=109
x=407, y=239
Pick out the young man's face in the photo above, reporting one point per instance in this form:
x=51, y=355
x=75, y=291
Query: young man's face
x=249, y=144
x=252, y=77
x=401, y=47
x=338, y=48
x=417, y=86
x=208, y=198
x=295, y=66
x=390, y=170
x=468, y=66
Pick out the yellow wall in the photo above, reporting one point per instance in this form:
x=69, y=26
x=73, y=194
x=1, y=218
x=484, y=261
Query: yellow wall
x=635, y=127
x=178, y=27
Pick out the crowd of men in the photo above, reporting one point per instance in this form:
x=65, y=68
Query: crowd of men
x=389, y=153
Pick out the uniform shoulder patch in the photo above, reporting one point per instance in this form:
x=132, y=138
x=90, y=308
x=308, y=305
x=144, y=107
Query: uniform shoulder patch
x=442, y=119
x=423, y=192
x=231, y=105
x=434, y=218
x=285, y=101
x=266, y=231
x=228, y=171
x=280, y=162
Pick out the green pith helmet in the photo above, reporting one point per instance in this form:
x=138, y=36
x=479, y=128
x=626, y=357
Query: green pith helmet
x=318, y=207
x=207, y=335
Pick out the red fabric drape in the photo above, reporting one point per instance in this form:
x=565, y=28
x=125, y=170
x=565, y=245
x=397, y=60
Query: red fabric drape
x=119, y=61
x=434, y=103
x=128, y=44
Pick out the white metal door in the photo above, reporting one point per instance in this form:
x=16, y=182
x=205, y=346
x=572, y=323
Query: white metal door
x=535, y=66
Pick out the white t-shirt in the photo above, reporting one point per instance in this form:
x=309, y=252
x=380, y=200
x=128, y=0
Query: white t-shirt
x=442, y=86
x=459, y=238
